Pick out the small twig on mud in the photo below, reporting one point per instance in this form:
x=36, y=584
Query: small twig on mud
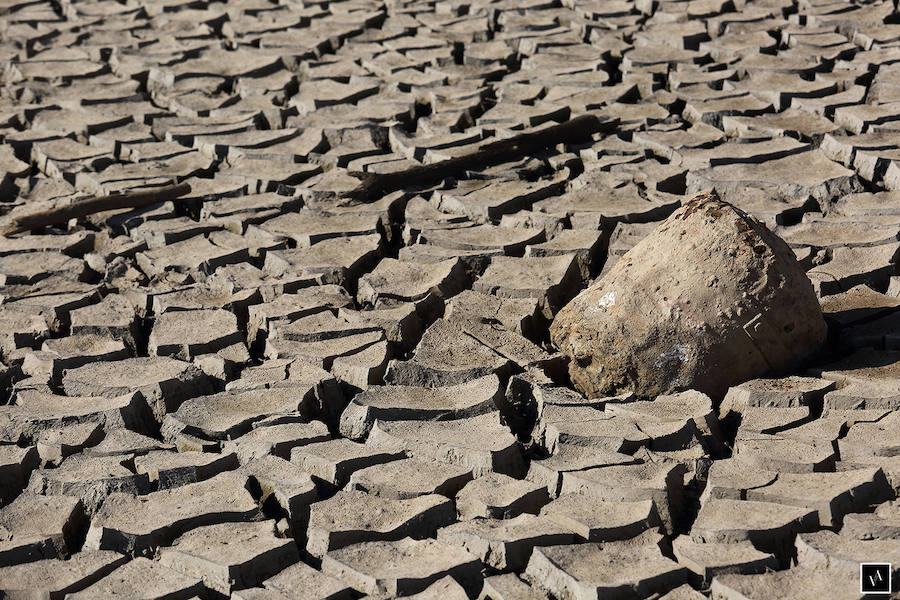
x=82, y=208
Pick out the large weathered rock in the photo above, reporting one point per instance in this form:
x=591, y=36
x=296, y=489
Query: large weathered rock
x=711, y=298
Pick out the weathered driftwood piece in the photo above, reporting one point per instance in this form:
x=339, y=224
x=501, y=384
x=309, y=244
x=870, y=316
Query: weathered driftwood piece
x=579, y=129
x=82, y=208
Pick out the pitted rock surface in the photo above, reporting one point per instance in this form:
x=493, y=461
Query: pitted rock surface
x=710, y=299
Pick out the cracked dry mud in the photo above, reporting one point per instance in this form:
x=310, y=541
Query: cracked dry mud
x=260, y=391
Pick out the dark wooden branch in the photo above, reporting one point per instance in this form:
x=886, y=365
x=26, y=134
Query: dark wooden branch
x=90, y=206
x=579, y=129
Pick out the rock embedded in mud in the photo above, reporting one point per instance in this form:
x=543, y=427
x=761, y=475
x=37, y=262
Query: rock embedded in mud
x=708, y=300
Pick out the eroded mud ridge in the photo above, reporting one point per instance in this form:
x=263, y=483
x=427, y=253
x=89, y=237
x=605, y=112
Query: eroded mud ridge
x=262, y=391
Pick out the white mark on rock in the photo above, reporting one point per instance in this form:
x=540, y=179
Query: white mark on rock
x=608, y=299
x=678, y=352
